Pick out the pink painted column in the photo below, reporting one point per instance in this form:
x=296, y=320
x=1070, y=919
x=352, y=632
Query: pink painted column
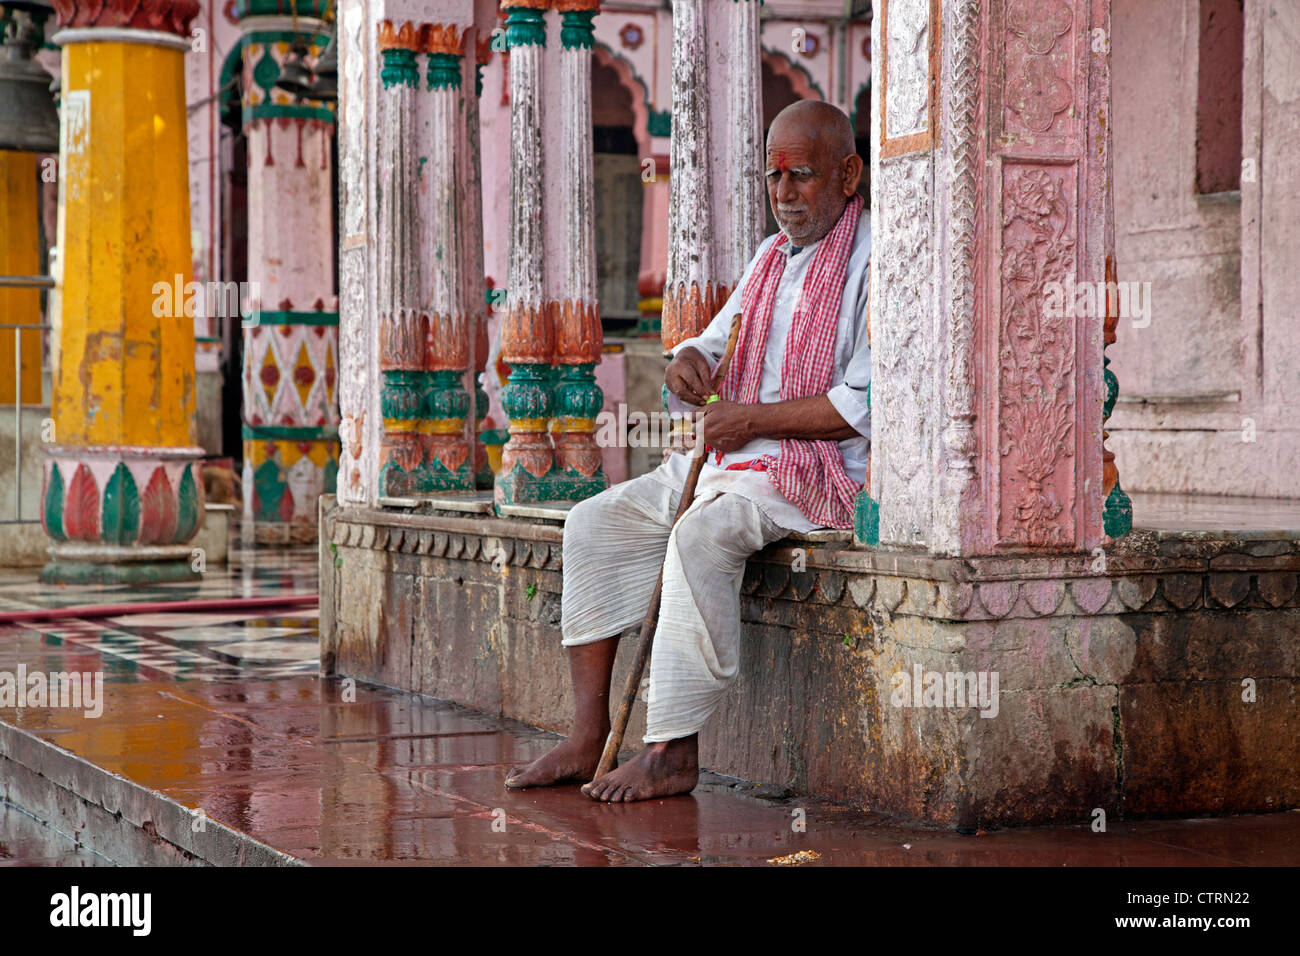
x=991, y=172
x=290, y=364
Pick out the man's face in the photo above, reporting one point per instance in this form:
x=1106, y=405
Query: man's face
x=805, y=184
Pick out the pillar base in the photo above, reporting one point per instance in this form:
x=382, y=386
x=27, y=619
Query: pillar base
x=1117, y=518
x=520, y=487
x=866, y=522
x=122, y=496
x=115, y=564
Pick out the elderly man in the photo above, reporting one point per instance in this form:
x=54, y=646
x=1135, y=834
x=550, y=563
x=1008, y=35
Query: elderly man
x=789, y=444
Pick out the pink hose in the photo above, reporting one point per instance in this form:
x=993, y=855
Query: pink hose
x=158, y=607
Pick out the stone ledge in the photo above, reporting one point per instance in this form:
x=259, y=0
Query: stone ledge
x=121, y=820
x=898, y=583
x=1122, y=691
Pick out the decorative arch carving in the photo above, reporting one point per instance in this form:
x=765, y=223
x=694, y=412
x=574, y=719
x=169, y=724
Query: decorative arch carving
x=799, y=78
x=627, y=76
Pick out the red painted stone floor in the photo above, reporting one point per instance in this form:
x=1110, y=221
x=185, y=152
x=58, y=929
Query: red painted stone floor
x=396, y=778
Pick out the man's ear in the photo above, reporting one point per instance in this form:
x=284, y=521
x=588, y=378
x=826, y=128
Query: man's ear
x=851, y=171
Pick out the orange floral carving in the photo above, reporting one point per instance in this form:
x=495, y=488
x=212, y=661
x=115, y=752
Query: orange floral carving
x=578, y=337
x=405, y=37
x=446, y=343
x=528, y=334
x=442, y=38
x=687, y=312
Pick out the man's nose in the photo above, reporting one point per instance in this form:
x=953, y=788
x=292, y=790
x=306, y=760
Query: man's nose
x=785, y=191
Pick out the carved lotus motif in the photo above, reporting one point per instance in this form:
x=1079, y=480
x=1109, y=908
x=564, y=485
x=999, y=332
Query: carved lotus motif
x=1039, y=22
x=1038, y=94
x=1033, y=193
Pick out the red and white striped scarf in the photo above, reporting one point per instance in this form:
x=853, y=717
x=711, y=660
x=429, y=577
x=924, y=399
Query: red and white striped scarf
x=810, y=474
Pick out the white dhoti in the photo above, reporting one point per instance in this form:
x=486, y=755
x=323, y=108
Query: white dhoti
x=614, y=546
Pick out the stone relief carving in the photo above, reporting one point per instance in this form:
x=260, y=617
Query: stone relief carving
x=1036, y=92
x=1036, y=356
x=963, y=141
x=904, y=354
x=907, y=23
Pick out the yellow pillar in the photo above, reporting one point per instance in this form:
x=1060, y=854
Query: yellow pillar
x=19, y=256
x=123, y=490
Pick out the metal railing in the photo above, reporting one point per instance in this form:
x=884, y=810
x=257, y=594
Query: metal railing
x=22, y=282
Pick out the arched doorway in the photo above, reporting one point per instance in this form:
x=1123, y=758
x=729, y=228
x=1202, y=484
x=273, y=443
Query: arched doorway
x=618, y=195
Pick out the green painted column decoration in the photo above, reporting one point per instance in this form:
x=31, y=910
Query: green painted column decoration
x=446, y=441
x=527, y=329
x=403, y=328
x=1117, y=515
x=866, y=510
x=578, y=398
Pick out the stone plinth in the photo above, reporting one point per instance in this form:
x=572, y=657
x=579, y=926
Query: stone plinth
x=1121, y=684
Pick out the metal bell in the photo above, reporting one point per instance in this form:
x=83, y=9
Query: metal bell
x=28, y=119
x=295, y=77
x=326, y=87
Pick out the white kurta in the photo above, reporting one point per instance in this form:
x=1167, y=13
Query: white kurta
x=616, y=542
x=849, y=377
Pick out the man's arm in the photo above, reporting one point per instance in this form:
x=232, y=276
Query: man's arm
x=727, y=426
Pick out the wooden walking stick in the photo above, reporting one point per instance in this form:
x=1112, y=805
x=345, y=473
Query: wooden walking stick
x=651, y=620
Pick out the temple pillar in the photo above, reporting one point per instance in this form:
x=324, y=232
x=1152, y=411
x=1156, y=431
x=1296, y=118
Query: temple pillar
x=578, y=335
x=475, y=281
x=445, y=429
x=408, y=298
x=527, y=330
x=551, y=334
x=122, y=489
x=991, y=179
x=716, y=190
x=290, y=407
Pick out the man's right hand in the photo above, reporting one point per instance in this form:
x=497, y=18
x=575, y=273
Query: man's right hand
x=689, y=377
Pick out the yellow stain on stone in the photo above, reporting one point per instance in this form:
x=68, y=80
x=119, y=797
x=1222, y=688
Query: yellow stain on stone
x=19, y=256
x=126, y=376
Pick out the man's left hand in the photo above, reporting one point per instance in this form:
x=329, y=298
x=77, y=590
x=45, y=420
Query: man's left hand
x=725, y=426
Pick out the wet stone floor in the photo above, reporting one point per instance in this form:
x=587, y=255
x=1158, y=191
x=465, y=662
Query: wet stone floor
x=225, y=712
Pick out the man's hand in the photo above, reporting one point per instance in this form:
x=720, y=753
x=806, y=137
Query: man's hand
x=688, y=377
x=726, y=426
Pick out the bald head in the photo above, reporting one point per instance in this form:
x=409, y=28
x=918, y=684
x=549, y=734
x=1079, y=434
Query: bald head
x=821, y=122
x=812, y=169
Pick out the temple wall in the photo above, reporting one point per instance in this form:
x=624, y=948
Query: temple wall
x=1208, y=381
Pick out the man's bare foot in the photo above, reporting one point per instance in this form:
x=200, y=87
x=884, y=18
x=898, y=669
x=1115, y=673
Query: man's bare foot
x=661, y=770
x=571, y=761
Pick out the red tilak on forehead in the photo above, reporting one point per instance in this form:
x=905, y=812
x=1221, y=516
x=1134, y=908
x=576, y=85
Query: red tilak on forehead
x=781, y=164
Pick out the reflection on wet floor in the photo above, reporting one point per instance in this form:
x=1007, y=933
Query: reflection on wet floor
x=224, y=712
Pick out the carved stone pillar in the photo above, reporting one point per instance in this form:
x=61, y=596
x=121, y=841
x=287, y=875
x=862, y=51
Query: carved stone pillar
x=403, y=328
x=475, y=284
x=527, y=331
x=991, y=183
x=577, y=399
x=716, y=190
x=290, y=406
x=122, y=493
x=444, y=435
x=692, y=292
